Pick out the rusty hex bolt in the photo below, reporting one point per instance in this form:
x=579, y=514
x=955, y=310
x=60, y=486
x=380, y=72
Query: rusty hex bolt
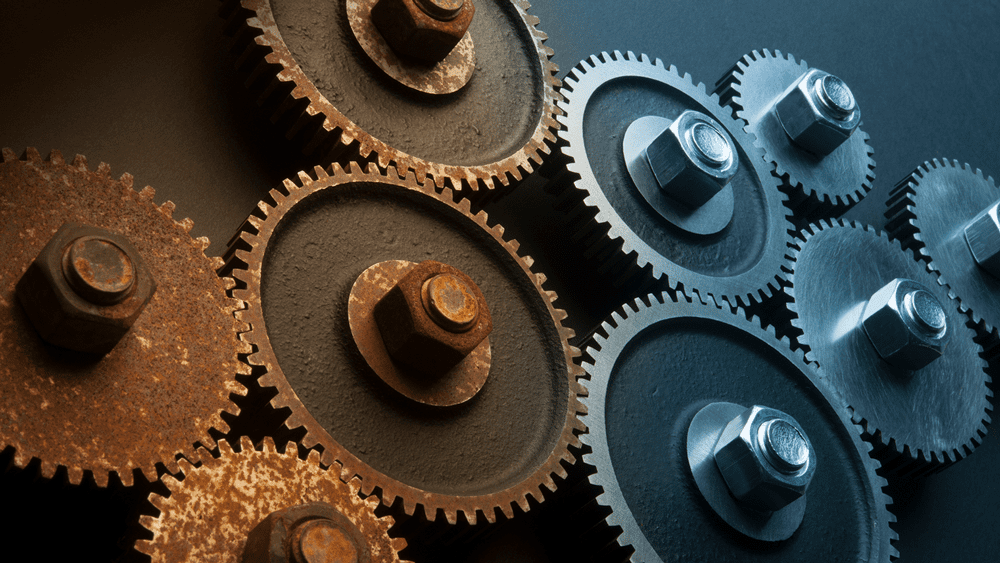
x=432, y=318
x=307, y=533
x=85, y=289
x=423, y=30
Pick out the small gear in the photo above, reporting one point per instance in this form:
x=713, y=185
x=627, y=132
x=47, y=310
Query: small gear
x=298, y=260
x=741, y=264
x=339, y=104
x=926, y=210
x=167, y=382
x=218, y=502
x=817, y=187
x=918, y=420
x=655, y=368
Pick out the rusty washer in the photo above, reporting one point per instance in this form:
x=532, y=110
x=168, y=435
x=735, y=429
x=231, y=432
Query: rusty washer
x=425, y=30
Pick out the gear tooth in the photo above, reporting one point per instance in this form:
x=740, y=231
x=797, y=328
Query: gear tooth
x=48, y=469
x=31, y=154
x=225, y=450
x=9, y=155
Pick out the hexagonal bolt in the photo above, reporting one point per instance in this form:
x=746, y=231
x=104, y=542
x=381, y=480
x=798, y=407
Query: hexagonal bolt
x=906, y=324
x=818, y=112
x=693, y=159
x=423, y=30
x=983, y=236
x=432, y=318
x=85, y=289
x=307, y=533
x=765, y=458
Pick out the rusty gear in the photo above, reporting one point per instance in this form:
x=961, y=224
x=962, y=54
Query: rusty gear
x=210, y=512
x=338, y=106
x=165, y=385
x=479, y=458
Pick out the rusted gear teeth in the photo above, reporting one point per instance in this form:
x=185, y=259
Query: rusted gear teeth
x=487, y=456
x=218, y=501
x=165, y=385
x=627, y=365
x=307, y=105
x=918, y=424
x=741, y=265
x=816, y=189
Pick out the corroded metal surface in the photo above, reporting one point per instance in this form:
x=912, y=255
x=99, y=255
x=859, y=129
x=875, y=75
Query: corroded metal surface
x=457, y=385
x=164, y=385
x=478, y=459
x=210, y=513
x=321, y=121
x=443, y=77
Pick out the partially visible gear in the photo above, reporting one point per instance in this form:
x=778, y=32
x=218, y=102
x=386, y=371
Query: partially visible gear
x=817, y=187
x=337, y=103
x=918, y=421
x=165, y=385
x=642, y=397
x=219, y=501
x=740, y=265
x=297, y=260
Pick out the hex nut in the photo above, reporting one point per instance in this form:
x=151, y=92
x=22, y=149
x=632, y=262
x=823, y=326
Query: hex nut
x=814, y=120
x=983, y=236
x=64, y=317
x=277, y=538
x=413, y=33
x=693, y=159
x=899, y=336
x=751, y=477
x=413, y=337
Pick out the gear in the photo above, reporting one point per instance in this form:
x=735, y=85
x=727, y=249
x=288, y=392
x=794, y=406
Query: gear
x=817, y=188
x=637, y=377
x=167, y=382
x=210, y=512
x=740, y=265
x=496, y=129
x=918, y=421
x=298, y=259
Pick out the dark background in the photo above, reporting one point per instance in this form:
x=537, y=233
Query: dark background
x=147, y=87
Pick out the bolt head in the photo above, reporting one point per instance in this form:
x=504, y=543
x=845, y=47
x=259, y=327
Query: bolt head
x=906, y=324
x=432, y=343
x=693, y=159
x=983, y=236
x=423, y=30
x=85, y=289
x=306, y=533
x=818, y=112
x=765, y=458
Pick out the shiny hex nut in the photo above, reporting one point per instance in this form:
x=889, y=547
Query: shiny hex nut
x=755, y=475
x=983, y=236
x=304, y=534
x=421, y=340
x=78, y=304
x=906, y=324
x=818, y=112
x=423, y=30
x=693, y=159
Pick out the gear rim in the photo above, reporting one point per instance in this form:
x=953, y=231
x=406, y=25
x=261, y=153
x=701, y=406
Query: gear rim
x=248, y=250
x=760, y=281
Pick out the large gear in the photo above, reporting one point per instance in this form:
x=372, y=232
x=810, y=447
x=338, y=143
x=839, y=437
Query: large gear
x=740, y=265
x=918, y=421
x=496, y=129
x=654, y=366
x=297, y=260
x=817, y=187
x=165, y=385
x=211, y=510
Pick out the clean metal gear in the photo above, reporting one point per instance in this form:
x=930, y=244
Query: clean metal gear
x=299, y=260
x=218, y=501
x=741, y=264
x=919, y=419
x=169, y=379
x=655, y=368
x=817, y=187
x=318, y=84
